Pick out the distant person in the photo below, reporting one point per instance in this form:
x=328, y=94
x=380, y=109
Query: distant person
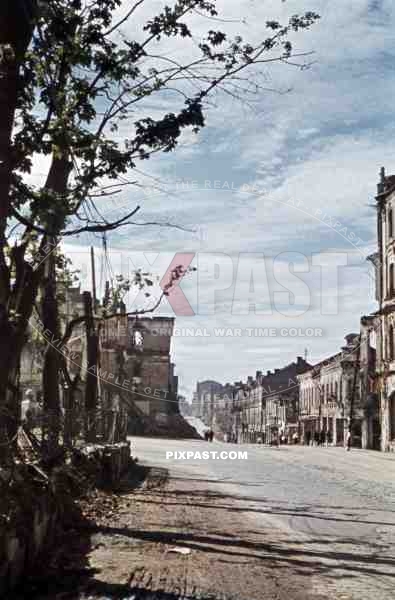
x=316, y=438
x=308, y=437
x=295, y=438
x=211, y=435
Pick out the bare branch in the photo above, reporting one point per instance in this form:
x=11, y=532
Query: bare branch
x=124, y=19
x=106, y=226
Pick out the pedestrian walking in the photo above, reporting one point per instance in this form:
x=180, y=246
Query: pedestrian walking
x=348, y=440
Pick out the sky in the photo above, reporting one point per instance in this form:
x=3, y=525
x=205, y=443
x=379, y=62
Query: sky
x=276, y=195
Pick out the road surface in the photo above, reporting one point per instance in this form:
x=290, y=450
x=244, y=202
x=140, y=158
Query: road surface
x=335, y=510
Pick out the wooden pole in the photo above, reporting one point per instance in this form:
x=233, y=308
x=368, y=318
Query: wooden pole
x=93, y=269
x=91, y=378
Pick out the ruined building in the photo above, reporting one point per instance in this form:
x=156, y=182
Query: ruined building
x=134, y=374
x=135, y=365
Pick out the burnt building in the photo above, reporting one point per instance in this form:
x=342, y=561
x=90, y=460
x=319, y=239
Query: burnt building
x=135, y=363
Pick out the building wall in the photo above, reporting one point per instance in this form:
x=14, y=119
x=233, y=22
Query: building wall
x=268, y=405
x=340, y=390
x=386, y=274
x=208, y=394
x=137, y=352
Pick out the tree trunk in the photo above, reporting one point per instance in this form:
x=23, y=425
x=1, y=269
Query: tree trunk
x=9, y=405
x=16, y=28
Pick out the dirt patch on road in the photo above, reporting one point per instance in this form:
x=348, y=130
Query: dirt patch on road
x=170, y=539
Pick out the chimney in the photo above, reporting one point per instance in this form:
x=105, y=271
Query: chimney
x=352, y=339
x=268, y=373
x=276, y=371
x=381, y=184
x=300, y=361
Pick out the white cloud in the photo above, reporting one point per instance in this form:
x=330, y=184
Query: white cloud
x=322, y=144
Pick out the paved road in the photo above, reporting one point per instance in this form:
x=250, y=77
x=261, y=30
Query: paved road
x=334, y=510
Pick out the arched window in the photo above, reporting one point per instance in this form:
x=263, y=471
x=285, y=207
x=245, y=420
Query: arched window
x=137, y=340
x=391, y=342
x=336, y=390
x=390, y=223
x=391, y=290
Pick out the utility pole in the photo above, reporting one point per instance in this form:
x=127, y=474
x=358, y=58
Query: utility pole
x=91, y=377
x=353, y=391
x=93, y=269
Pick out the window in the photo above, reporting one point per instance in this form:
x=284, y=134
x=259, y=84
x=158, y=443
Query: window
x=391, y=342
x=391, y=291
x=137, y=368
x=390, y=223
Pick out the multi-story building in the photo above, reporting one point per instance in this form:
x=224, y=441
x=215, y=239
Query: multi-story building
x=384, y=263
x=206, y=400
x=267, y=406
x=335, y=394
x=370, y=406
x=136, y=364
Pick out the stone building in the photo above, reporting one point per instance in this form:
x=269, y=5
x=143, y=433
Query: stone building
x=248, y=410
x=136, y=364
x=370, y=406
x=205, y=400
x=384, y=263
x=338, y=390
x=136, y=377
x=267, y=406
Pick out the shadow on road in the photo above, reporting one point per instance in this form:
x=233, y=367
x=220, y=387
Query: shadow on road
x=334, y=557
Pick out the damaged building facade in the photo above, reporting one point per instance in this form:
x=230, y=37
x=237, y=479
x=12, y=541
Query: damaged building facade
x=134, y=374
x=136, y=365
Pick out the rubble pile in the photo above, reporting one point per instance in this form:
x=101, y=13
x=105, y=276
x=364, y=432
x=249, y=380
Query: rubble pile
x=175, y=426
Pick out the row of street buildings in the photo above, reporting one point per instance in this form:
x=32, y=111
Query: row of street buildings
x=352, y=390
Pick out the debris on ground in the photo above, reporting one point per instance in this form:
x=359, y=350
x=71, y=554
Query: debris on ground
x=179, y=550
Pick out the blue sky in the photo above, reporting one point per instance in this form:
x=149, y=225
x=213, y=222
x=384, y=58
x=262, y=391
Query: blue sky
x=321, y=144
